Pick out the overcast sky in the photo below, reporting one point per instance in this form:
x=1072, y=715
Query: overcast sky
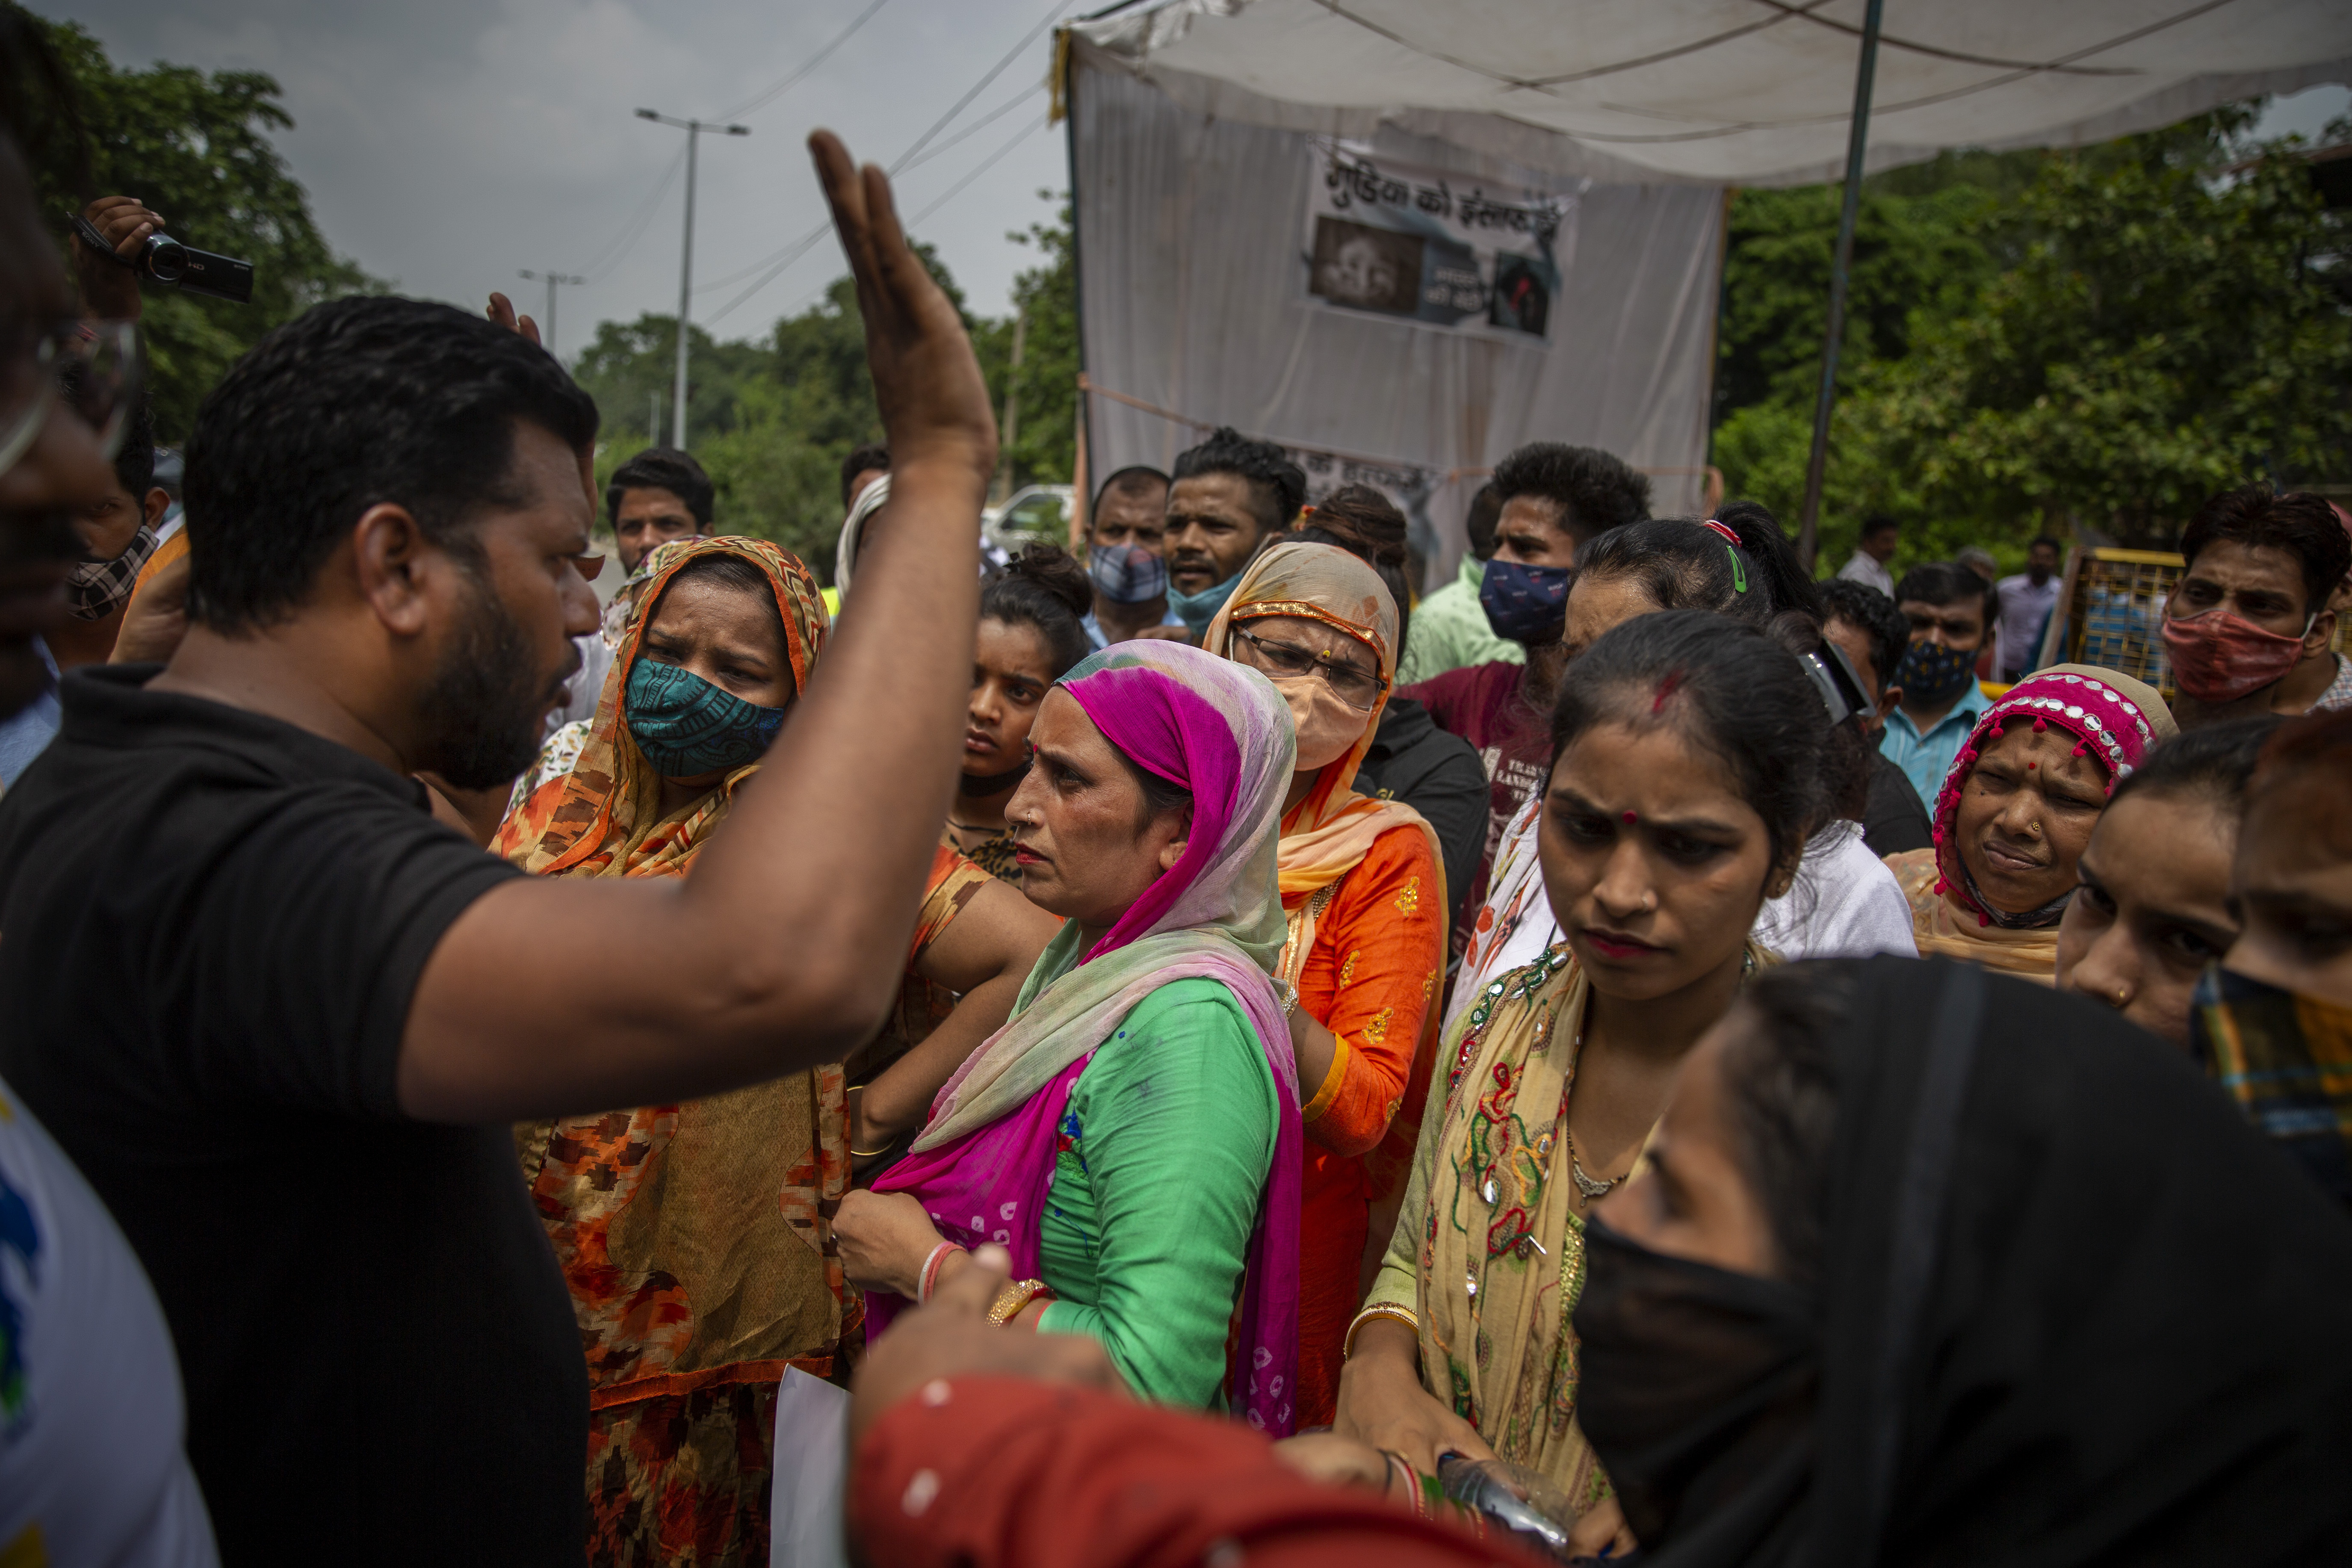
x=446, y=143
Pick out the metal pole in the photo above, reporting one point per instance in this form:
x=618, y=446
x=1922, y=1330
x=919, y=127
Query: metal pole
x=1817, y=461
x=693, y=129
x=546, y=339
x=685, y=289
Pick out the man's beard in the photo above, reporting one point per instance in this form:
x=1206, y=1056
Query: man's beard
x=486, y=704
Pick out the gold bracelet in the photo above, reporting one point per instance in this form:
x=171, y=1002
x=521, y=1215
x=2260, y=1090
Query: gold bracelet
x=1016, y=1295
x=1401, y=1314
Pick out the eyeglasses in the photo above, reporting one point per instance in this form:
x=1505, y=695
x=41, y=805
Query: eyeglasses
x=1349, y=685
x=92, y=366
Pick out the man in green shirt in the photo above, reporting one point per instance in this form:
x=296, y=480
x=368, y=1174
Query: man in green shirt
x=1449, y=626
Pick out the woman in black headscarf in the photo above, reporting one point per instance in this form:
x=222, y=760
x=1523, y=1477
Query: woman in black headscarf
x=1934, y=1266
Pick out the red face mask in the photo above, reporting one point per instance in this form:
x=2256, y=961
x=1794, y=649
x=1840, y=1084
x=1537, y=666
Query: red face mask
x=2218, y=656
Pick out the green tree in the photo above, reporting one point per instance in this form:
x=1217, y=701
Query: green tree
x=196, y=148
x=1046, y=300
x=2167, y=332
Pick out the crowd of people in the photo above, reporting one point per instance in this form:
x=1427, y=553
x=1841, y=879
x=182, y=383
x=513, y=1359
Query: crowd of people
x=1226, y=1056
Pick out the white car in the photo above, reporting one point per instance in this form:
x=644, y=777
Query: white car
x=1033, y=514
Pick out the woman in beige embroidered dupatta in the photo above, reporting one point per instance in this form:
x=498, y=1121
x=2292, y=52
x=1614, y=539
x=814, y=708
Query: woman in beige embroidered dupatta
x=1686, y=778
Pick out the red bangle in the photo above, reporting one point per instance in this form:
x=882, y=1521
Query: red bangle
x=930, y=1274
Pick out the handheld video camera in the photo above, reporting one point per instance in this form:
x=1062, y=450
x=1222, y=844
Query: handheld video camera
x=166, y=260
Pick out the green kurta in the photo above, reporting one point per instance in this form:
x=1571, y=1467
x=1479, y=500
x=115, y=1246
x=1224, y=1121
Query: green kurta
x=1164, y=1152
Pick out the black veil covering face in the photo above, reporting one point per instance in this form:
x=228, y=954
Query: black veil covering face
x=2072, y=1310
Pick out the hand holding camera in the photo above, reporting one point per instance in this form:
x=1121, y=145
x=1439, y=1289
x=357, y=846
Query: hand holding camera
x=117, y=239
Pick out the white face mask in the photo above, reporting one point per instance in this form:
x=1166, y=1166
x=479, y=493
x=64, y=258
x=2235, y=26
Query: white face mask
x=1327, y=728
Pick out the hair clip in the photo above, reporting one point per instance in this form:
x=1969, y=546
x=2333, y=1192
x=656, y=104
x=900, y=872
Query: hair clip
x=1728, y=536
x=1739, y=573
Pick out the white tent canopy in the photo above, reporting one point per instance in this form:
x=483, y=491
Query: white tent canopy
x=1718, y=91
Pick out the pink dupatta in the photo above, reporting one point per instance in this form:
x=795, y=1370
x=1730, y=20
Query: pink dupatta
x=983, y=1164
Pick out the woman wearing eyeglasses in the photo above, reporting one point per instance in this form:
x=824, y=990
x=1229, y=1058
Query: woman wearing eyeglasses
x=1364, y=890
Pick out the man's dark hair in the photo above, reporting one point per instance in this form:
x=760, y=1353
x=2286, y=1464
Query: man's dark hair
x=860, y=460
x=2298, y=522
x=355, y=404
x=1946, y=582
x=662, y=468
x=2214, y=761
x=1864, y=606
x=1133, y=480
x=2041, y=538
x=1365, y=523
x=1871, y=527
x=1486, y=511
x=1595, y=489
x=134, y=461
x=1278, y=487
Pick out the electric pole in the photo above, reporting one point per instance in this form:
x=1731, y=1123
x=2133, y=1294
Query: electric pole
x=551, y=280
x=694, y=130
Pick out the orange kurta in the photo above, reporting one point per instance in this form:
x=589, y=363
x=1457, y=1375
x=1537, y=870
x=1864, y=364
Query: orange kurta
x=1371, y=978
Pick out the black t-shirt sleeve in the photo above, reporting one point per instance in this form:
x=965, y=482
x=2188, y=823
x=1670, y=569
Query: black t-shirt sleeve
x=307, y=935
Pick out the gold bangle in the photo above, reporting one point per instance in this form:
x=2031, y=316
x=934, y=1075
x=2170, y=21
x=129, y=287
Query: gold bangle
x=1014, y=1297
x=1378, y=1309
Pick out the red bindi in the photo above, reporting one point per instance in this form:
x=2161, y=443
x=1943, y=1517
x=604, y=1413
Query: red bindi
x=1631, y=819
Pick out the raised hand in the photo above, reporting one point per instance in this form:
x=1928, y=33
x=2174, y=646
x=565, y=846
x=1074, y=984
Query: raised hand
x=110, y=290
x=926, y=380
x=502, y=313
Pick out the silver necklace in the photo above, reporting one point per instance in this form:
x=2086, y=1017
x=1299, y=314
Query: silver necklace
x=1593, y=1191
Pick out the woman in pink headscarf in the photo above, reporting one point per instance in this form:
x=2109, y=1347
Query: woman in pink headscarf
x=2017, y=809
x=1132, y=1134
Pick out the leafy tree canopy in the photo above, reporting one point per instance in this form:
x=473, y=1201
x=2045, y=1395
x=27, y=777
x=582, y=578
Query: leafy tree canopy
x=2041, y=341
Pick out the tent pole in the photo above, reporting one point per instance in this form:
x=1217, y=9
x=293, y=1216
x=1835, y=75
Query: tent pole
x=1817, y=460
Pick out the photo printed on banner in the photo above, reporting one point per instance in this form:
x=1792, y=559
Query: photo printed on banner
x=1414, y=243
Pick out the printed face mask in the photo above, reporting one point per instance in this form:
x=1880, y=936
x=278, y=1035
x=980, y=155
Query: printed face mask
x=1526, y=603
x=688, y=727
x=2218, y=656
x=94, y=588
x=1127, y=573
x=1931, y=672
x=1197, y=610
x=1694, y=1379
x=1328, y=727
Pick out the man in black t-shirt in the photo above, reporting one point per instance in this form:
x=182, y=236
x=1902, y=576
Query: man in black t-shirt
x=281, y=1018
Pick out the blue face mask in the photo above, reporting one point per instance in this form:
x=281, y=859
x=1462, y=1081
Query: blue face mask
x=1931, y=672
x=1127, y=573
x=1197, y=610
x=688, y=727
x=1526, y=603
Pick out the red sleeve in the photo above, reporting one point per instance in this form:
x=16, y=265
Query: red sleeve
x=1443, y=694
x=993, y=1472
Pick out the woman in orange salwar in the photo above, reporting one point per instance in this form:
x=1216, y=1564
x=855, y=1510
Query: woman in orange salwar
x=696, y=1237
x=1365, y=891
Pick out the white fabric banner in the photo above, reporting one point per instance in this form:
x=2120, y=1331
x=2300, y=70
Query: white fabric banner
x=1196, y=294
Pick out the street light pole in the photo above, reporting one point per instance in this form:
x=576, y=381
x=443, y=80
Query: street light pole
x=551, y=280
x=694, y=130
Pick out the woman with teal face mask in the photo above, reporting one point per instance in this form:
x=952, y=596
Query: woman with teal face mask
x=696, y=1237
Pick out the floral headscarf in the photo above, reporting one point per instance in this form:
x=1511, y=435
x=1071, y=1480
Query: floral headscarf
x=1223, y=731
x=603, y=818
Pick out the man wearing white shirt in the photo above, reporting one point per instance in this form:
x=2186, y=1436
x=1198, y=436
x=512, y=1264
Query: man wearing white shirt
x=1879, y=537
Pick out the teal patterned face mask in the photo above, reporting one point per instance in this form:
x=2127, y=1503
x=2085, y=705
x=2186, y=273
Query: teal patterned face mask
x=688, y=727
